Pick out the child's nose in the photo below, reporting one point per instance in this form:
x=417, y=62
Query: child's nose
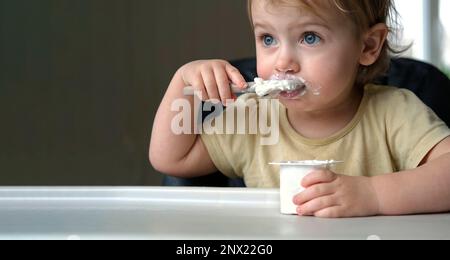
x=287, y=63
x=285, y=71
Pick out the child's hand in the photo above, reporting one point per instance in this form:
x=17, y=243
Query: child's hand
x=330, y=195
x=212, y=79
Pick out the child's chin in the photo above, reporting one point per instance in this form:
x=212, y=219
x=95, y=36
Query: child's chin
x=297, y=104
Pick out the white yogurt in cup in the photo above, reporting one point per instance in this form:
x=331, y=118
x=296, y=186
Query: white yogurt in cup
x=291, y=176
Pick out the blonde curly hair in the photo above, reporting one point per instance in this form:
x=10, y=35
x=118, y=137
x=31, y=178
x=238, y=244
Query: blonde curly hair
x=364, y=14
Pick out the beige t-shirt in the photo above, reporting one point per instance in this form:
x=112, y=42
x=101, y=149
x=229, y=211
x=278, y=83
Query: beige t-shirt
x=392, y=131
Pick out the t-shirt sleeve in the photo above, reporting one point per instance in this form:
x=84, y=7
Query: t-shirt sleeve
x=221, y=149
x=230, y=152
x=413, y=129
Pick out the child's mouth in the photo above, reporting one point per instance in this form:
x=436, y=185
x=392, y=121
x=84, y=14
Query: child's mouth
x=295, y=94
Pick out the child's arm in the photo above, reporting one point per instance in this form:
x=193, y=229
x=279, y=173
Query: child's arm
x=425, y=189
x=185, y=155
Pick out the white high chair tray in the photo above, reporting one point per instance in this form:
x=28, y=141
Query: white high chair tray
x=186, y=213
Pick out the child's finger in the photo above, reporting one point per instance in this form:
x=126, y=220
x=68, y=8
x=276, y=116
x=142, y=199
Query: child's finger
x=223, y=83
x=210, y=84
x=318, y=176
x=235, y=76
x=318, y=204
x=198, y=85
x=330, y=212
x=313, y=192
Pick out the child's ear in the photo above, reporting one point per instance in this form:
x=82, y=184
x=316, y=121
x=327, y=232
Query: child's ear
x=373, y=42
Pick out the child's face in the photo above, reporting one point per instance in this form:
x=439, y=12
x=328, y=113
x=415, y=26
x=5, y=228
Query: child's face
x=322, y=50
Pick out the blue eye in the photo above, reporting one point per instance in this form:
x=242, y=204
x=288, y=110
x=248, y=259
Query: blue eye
x=268, y=40
x=311, y=38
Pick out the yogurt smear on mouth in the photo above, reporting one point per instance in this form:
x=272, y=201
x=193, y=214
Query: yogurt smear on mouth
x=266, y=87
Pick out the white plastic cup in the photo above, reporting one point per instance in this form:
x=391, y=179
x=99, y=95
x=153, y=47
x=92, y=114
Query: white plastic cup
x=291, y=176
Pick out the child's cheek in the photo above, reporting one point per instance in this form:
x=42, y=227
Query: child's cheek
x=264, y=70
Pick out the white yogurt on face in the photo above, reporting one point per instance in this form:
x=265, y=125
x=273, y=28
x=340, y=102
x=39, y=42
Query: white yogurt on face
x=265, y=87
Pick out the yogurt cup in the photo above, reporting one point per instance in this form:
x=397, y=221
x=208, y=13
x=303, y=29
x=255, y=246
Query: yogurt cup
x=291, y=176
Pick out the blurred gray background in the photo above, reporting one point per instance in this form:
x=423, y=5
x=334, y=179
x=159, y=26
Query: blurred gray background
x=80, y=81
